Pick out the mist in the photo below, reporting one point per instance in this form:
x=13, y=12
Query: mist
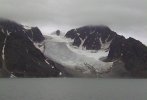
x=126, y=17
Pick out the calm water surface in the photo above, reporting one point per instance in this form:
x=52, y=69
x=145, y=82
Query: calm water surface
x=73, y=89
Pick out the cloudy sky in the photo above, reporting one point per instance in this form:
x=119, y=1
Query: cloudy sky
x=127, y=17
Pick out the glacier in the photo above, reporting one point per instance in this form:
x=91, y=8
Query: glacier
x=85, y=62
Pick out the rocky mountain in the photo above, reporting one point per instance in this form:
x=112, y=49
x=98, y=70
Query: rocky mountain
x=132, y=53
x=18, y=55
x=92, y=37
x=25, y=52
x=35, y=34
x=58, y=33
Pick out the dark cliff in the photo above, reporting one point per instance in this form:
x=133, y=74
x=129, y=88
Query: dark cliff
x=19, y=56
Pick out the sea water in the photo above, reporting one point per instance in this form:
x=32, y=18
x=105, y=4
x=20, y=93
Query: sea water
x=72, y=89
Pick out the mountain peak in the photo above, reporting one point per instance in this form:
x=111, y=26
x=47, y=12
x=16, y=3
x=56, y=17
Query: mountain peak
x=91, y=37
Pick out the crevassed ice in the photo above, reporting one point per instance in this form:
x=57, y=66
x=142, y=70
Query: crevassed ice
x=60, y=50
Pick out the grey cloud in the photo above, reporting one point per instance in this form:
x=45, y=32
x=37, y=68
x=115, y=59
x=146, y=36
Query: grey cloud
x=127, y=17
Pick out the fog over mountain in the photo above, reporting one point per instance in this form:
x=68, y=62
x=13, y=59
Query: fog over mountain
x=127, y=17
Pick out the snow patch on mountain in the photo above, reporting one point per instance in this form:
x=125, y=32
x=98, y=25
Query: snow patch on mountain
x=3, y=49
x=39, y=46
x=26, y=27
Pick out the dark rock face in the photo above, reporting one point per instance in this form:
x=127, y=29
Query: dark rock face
x=129, y=51
x=35, y=34
x=57, y=32
x=116, y=47
x=18, y=55
x=132, y=52
x=91, y=37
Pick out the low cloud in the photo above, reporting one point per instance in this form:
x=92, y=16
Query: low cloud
x=127, y=17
